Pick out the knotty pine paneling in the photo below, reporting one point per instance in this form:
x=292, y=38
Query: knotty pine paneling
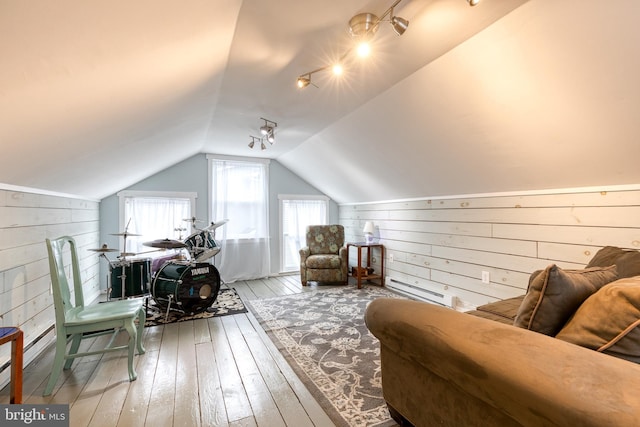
x=444, y=245
x=27, y=218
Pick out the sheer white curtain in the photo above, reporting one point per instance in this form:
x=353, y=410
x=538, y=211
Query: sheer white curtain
x=297, y=214
x=240, y=193
x=155, y=218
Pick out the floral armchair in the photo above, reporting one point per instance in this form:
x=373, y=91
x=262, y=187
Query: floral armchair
x=324, y=259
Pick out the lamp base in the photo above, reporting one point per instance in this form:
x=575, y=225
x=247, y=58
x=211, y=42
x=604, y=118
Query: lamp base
x=368, y=238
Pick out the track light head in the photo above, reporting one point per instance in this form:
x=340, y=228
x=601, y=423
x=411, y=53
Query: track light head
x=473, y=2
x=303, y=81
x=399, y=25
x=271, y=137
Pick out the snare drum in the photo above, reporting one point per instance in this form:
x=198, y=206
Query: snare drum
x=190, y=288
x=202, y=246
x=137, y=278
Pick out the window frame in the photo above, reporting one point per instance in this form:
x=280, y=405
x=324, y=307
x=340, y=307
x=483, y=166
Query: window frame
x=294, y=197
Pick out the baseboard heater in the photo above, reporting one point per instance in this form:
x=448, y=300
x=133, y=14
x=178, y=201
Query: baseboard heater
x=443, y=299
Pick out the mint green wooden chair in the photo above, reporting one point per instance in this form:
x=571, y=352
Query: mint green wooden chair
x=74, y=322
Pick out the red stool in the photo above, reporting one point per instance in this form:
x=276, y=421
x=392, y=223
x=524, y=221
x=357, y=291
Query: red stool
x=16, y=337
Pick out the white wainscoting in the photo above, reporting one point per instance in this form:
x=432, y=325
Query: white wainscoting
x=444, y=245
x=26, y=220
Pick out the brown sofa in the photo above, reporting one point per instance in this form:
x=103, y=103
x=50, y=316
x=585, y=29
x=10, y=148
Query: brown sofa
x=543, y=359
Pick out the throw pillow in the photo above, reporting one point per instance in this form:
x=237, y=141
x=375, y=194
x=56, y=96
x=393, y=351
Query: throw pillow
x=608, y=321
x=627, y=260
x=555, y=294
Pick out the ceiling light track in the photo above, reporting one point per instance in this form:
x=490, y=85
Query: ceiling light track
x=362, y=27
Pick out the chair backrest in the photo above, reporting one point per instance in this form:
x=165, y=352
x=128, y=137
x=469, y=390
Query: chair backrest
x=325, y=239
x=59, y=282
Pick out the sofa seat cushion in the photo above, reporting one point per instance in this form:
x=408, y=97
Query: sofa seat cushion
x=555, y=294
x=324, y=261
x=608, y=321
x=500, y=311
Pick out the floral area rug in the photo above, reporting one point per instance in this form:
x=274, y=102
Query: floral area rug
x=228, y=302
x=323, y=336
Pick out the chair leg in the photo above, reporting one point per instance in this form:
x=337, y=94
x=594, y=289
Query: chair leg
x=133, y=339
x=58, y=362
x=142, y=316
x=75, y=345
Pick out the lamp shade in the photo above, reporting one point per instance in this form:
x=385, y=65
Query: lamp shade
x=368, y=227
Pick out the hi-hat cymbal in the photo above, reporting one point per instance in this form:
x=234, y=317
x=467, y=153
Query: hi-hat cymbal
x=125, y=233
x=215, y=225
x=165, y=244
x=104, y=249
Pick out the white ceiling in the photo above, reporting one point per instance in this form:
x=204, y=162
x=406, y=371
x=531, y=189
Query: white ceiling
x=507, y=95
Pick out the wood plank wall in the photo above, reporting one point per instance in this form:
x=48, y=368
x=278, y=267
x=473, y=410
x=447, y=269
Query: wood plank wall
x=26, y=220
x=444, y=245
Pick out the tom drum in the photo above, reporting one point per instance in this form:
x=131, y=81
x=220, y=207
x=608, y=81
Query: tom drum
x=136, y=274
x=202, y=245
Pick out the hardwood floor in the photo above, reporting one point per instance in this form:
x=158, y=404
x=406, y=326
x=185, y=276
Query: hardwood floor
x=222, y=371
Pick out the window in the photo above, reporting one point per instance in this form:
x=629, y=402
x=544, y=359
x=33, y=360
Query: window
x=296, y=213
x=240, y=193
x=154, y=215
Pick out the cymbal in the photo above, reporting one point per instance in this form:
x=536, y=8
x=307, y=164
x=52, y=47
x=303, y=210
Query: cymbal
x=193, y=219
x=215, y=225
x=104, y=249
x=126, y=254
x=165, y=244
x=124, y=233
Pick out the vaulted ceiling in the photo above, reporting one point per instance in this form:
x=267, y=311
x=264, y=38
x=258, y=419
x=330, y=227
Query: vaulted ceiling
x=508, y=95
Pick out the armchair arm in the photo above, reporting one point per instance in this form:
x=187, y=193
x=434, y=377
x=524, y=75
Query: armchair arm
x=304, y=253
x=344, y=258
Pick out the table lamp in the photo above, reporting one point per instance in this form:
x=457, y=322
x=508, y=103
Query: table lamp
x=368, y=232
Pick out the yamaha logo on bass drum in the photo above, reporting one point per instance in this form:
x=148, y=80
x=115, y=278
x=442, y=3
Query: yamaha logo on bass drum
x=199, y=270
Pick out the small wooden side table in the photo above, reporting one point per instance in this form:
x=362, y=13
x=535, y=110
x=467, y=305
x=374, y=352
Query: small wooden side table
x=360, y=276
x=16, y=337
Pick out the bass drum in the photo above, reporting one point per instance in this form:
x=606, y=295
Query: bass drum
x=190, y=288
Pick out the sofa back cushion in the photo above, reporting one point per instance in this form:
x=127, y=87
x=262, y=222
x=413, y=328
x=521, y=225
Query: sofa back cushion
x=555, y=294
x=608, y=321
x=627, y=261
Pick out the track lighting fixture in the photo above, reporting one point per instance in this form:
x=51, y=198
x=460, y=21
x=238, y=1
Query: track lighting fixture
x=362, y=27
x=267, y=132
x=253, y=141
x=473, y=2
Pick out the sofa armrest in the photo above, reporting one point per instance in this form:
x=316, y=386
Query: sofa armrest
x=532, y=379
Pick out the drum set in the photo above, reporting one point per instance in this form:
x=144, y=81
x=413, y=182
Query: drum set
x=184, y=280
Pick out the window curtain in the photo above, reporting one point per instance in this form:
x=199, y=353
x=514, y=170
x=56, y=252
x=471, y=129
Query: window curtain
x=240, y=194
x=155, y=218
x=296, y=216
